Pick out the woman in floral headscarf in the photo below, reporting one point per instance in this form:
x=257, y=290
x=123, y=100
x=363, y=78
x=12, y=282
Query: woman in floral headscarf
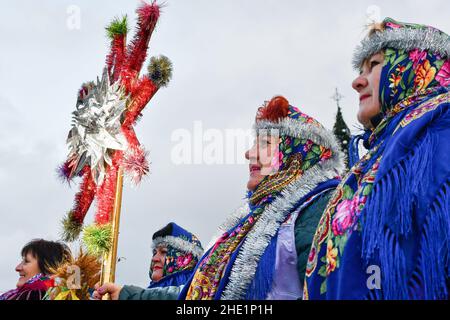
x=175, y=254
x=261, y=250
x=385, y=233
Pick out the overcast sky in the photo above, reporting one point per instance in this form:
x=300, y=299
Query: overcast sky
x=228, y=56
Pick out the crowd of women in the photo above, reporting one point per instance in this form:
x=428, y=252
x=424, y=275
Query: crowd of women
x=309, y=229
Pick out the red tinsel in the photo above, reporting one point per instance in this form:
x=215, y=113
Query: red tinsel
x=118, y=47
x=140, y=96
x=84, y=198
x=128, y=66
x=124, y=63
x=128, y=80
x=111, y=57
x=106, y=192
x=131, y=137
x=148, y=15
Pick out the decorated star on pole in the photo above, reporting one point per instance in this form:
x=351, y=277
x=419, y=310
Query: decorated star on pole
x=102, y=141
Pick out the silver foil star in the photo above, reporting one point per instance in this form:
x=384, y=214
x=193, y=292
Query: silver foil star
x=96, y=128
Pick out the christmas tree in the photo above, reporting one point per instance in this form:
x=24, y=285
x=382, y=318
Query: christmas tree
x=340, y=129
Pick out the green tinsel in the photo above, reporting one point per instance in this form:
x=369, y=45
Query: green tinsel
x=160, y=70
x=71, y=228
x=119, y=26
x=97, y=239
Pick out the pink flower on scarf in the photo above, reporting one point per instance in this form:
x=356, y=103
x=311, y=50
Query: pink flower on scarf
x=393, y=25
x=417, y=56
x=307, y=147
x=288, y=141
x=187, y=259
x=443, y=76
x=343, y=218
x=276, y=161
x=180, y=261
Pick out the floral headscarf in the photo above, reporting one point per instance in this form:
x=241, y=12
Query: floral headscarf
x=183, y=249
x=305, y=146
x=416, y=59
x=295, y=155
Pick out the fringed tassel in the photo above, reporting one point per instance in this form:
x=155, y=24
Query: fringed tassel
x=148, y=15
x=374, y=295
x=263, y=280
x=140, y=96
x=387, y=217
x=435, y=250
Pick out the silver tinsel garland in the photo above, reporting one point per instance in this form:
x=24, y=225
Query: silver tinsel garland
x=403, y=38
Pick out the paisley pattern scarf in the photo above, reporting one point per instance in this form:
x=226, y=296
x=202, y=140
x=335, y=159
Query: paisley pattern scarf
x=295, y=156
x=390, y=215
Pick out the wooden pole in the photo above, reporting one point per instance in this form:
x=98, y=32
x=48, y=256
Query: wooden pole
x=110, y=259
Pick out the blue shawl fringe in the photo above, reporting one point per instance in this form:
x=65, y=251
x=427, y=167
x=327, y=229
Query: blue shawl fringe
x=388, y=226
x=262, y=282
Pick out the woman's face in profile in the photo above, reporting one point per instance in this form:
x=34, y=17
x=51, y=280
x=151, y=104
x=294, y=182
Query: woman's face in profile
x=262, y=156
x=27, y=269
x=158, y=261
x=367, y=84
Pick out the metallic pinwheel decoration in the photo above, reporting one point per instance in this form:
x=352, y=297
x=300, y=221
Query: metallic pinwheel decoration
x=96, y=128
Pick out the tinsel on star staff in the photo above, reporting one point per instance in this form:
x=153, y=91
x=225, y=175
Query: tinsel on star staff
x=75, y=279
x=102, y=139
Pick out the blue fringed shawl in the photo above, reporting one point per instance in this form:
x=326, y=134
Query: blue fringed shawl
x=405, y=224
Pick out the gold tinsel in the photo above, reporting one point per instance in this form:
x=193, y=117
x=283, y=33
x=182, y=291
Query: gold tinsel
x=67, y=286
